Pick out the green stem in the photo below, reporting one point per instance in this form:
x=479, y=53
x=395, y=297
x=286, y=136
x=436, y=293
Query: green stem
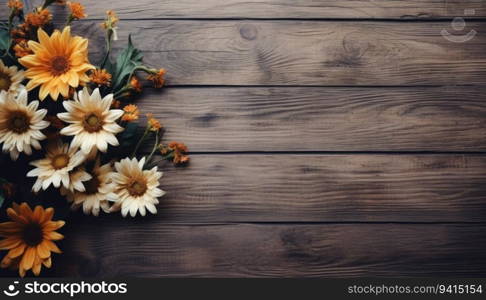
x=70, y=19
x=140, y=142
x=156, y=145
x=165, y=157
x=109, y=35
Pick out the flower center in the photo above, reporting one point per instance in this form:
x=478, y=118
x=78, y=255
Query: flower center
x=92, y=123
x=137, y=187
x=5, y=82
x=32, y=234
x=92, y=185
x=19, y=122
x=60, y=161
x=59, y=65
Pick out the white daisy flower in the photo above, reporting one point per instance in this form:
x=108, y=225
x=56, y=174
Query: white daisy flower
x=93, y=124
x=135, y=189
x=97, y=189
x=11, y=79
x=20, y=124
x=59, y=168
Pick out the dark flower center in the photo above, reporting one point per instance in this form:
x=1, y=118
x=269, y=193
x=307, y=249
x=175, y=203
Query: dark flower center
x=60, y=161
x=137, y=187
x=5, y=82
x=18, y=122
x=32, y=234
x=92, y=185
x=59, y=65
x=92, y=123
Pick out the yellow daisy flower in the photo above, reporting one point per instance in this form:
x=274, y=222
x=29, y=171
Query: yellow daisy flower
x=59, y=61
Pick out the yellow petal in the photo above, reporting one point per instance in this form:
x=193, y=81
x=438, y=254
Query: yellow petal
x=43, y=250
x=17, y=251
x=28, y=258
x=9, y=243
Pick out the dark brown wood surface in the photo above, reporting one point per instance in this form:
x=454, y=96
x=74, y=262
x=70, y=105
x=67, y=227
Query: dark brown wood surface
x=323, y=118
x=322, y=53
x=328, y=138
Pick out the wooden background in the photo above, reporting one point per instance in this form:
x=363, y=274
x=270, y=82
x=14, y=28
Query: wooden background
x=328, y=138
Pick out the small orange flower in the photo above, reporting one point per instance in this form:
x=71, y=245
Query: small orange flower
x=77, y=10
x=135, y=84
x=157, y=78
x=131, y=113
x=38, y=18
x=101, y=77
x=111, y=20
x=15, y=4
x=152, y=123
x=22, y=49
x=179, y=151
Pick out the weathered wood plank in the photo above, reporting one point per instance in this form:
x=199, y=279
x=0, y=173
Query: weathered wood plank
x=322, y=119
x=303, y=9
x=325, y=188
x=149, y=249
x=304, y=53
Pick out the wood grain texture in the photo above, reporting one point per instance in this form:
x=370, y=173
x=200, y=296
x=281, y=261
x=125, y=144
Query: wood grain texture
x=303, y=53
x=147, y=249
x=324, y=188
x=322, y=119
x=302, y=9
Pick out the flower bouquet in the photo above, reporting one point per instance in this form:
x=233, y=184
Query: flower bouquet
x=74, y=126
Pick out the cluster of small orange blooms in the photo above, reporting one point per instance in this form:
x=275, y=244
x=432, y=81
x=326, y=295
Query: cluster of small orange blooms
x=176, y=150
x=101, y=77
x=77, y=10
x=152, y=123
x=130, y=113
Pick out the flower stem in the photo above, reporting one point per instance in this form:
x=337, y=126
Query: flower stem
x=69, y=20
x=140, y=141
x=109, y=35
x=156, y=145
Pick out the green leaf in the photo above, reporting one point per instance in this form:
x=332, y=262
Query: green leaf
x=126, y=62
x=4, y=39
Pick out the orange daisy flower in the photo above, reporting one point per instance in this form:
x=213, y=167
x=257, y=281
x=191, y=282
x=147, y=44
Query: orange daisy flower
x=28, y=237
